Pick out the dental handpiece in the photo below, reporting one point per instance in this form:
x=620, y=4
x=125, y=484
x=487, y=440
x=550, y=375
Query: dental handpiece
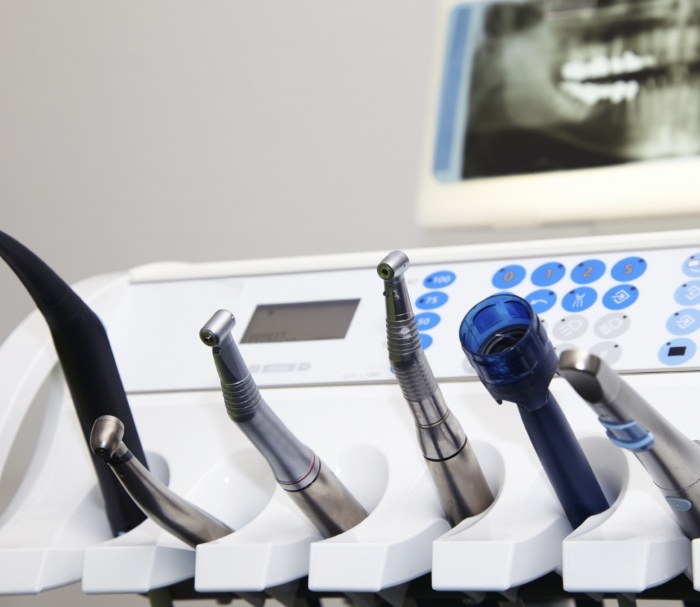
x=88, y=365
x=669, y=456
x=508, y=347
x=455, y=470
x=312, y=485
x=183, y=519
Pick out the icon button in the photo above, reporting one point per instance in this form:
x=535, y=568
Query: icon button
x=570, y=327
x=684, y=321
x=691, y=266
x=688, y=294
x=677, y=351
x=541, y=300
x=611, y=325
x=620, y=297
x=608, y=351
x=580, y=299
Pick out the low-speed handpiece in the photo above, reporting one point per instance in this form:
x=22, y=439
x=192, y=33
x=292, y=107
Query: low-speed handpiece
x=451, y=460
x=669, y=456
x=320, y=495
x=184, y=520
x=508, y=346
x=88, y=364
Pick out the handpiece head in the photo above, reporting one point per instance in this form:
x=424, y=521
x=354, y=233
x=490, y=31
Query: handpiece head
x=217, y=328
x=393, y=266
x=508, y=347
x=106, y=436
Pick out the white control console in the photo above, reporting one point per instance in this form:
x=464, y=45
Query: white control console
x=312, y=331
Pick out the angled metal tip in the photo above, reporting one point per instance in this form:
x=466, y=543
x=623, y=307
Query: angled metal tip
x=106, y=436
x=217, y=328
x=393, y=266
x=582, y=370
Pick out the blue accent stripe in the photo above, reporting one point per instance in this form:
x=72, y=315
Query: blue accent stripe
x=446, y=161
x=628, y=435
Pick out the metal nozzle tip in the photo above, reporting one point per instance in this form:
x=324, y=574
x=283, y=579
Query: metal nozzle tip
x=393, y=265
x=106, y=436
x=580, y=369
x=217, y=327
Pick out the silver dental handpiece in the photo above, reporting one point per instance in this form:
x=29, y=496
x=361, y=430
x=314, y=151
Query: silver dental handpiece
x=183, y=519
x=669, y=456
x=320, y=495
x=451, y=460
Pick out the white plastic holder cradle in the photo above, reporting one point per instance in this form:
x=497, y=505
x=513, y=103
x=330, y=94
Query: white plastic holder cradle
x=57, y=509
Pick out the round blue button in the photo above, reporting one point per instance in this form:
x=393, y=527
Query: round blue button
x=431, y=300
x=677, y=351
x=427, y=320
x=541, y=300
x=684, y=321
x=588, y=271
x=425, y=340
x=438, y=280
x=691, y=266
x=508, y=277
x=620, y=297
x=628, y=269
x=579, y=299
x=688, y=294
x=548, y=274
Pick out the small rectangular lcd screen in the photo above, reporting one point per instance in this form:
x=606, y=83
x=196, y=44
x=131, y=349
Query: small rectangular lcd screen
x=303, y=321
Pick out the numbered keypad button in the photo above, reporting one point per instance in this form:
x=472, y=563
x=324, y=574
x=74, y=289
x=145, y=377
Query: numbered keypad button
x=431, y=300
x=548, y=274
x=508, y=277
x=588, y=271
x=628, y=269
x=427, y=320
x=439, y=280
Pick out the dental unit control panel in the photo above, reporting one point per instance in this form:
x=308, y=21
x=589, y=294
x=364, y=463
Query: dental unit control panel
x=319, y=365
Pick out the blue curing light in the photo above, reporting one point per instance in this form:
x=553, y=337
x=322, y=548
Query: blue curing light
x=506, y=343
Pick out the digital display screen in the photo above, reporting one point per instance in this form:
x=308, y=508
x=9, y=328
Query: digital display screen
x=304, y=321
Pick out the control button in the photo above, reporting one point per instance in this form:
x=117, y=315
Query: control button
x=628, y=269
x=608, y=351
x=611, y=325
x=684, y=321
x=580, y=299
x=620, y=297
x=691, y=266
x=431, y=300
x=679, y=504
x=425, y=340
x=688, y=294
x=427, y=320
x=508, y=277
x=548, y=274
x=570, y=327
x=438, y=280
x=541, y=300
x=588, y=271
x=279, y=368
x=564, y=347
x=629, y=435
x=677, y=351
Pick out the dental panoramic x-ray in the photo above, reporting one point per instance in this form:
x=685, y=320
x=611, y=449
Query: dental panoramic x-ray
x=554, y=110
x=606, y=83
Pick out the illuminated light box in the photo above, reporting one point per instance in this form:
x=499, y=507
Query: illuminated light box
x=563, y=111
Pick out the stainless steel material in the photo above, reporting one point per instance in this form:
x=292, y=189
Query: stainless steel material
x=312, y=484
x=671, y=458
x=456, y=472
x=178, y=516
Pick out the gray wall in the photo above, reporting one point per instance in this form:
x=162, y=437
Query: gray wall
x=141, y=131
